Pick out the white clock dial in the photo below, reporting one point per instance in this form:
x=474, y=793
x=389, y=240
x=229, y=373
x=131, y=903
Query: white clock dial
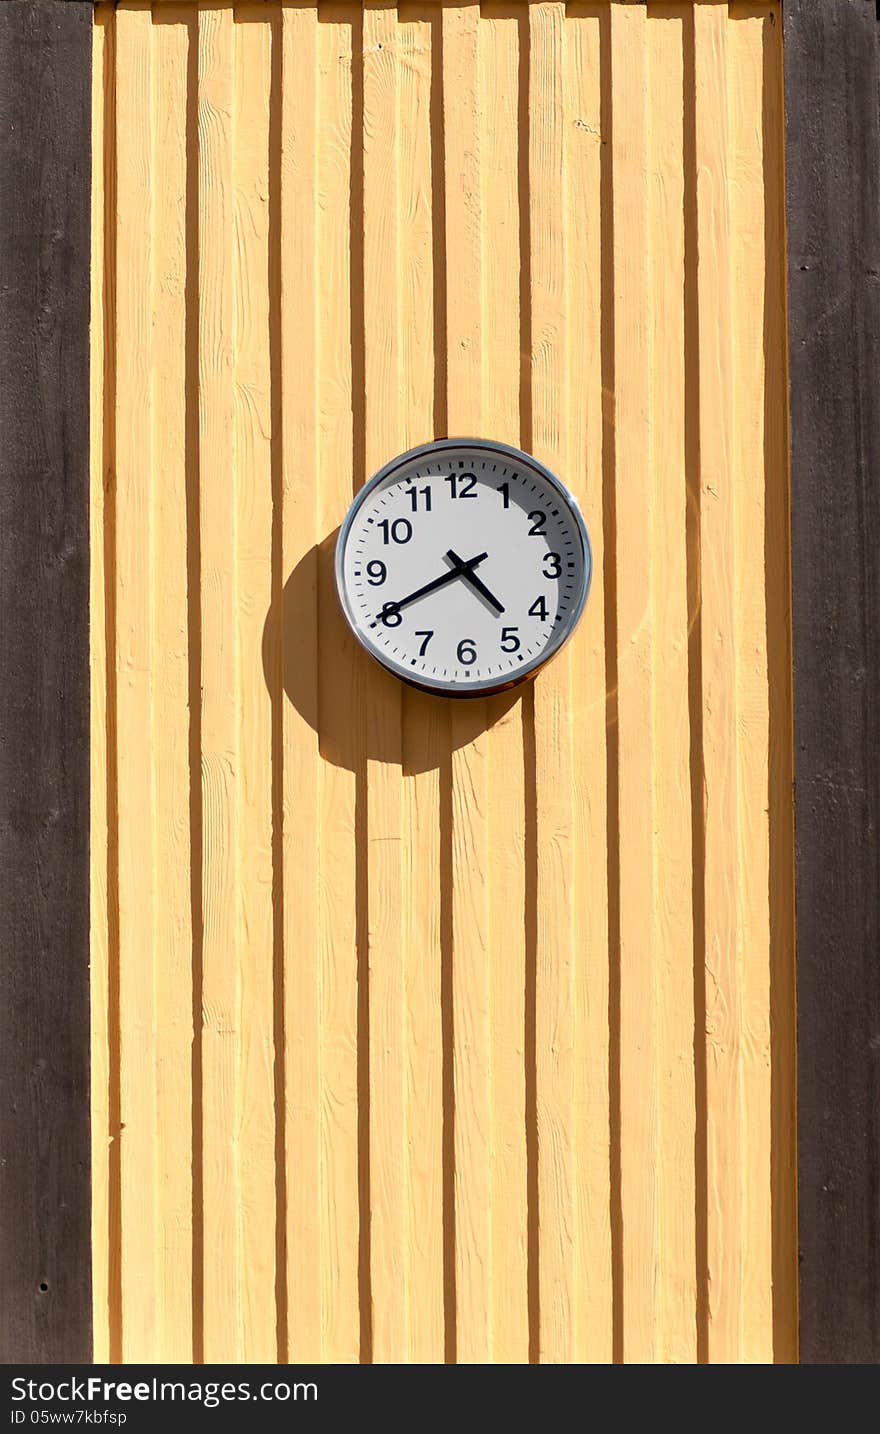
x=463, y=566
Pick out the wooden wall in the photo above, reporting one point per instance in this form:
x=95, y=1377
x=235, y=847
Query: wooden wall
x=426, y=1030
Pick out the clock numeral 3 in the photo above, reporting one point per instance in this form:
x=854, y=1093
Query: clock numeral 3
x=555, y=568
x=539, y=608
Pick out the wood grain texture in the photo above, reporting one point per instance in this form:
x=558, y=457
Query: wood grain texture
x=45, y=157
x=479, y=1014
x=833, y=215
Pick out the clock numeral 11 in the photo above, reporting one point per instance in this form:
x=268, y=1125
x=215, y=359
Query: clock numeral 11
x=415, y=494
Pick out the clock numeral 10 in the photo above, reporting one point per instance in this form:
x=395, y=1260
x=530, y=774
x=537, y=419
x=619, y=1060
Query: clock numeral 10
x=400, y=531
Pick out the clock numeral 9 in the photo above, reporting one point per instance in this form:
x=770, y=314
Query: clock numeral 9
x=467, y=482
x=466, y=651
x=538, y=521
x=390, y=615
x=400, y=531
x=509, y=639
x=555, y=565
x=376, y=573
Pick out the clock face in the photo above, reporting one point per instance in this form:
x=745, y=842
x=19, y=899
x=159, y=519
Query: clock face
x=462, y=566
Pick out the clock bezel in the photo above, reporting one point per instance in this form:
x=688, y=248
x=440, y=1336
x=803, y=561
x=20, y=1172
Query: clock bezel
x=448, y=687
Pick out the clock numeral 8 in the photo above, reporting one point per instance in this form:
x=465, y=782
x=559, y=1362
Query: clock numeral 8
x=466, y=651
x=390, y=615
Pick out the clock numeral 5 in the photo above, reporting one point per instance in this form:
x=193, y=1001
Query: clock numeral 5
x=466, y=651
x=509, y=639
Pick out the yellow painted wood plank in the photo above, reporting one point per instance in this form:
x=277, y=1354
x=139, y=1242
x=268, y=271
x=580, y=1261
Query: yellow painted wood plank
x=462, y=93
x=586, y=116
x=723, y=980
x=253, y=449
x=389, y=1160
x=221, y=696
x=506, y=877
x=423, y=717
x=636, y=556
x=676, y=1108
x=102, y=717
x=344, y=1239
x=173, y=924
x=555, y=958
x=298, y=657
x=135, y=656
x=777, y=580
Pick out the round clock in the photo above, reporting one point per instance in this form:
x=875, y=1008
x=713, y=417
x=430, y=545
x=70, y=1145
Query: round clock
x=462, y=566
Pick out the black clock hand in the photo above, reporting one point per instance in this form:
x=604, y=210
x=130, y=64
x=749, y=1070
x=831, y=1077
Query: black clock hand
x=475, y=582
x=461, y=570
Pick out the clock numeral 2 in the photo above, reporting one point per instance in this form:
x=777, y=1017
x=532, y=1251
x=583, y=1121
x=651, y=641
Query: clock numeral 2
x=538, y=521
x=400, y=531
x=427, y=635
x=466, y=651
x=462, y=485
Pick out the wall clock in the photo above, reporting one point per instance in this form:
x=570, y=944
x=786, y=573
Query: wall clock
x=462, y=566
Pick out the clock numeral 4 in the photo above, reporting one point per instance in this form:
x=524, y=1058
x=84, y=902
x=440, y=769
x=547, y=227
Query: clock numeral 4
x=462, y=485
x=539, y=608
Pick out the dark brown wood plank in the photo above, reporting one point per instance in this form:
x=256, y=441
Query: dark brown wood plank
x=833, y=202
x=45, y=147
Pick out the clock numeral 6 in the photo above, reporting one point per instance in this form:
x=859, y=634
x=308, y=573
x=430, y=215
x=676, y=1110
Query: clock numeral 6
x=466, y=651
x=391, y=615
x=509, y=639
x=400, y=531
x=552, y=565
x=427, y=634
x=376, y=573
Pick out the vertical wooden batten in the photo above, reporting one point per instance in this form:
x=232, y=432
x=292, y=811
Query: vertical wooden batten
x=832, y=67
x=45, y=1164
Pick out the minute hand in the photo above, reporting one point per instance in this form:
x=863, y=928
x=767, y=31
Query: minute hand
x=460, y=570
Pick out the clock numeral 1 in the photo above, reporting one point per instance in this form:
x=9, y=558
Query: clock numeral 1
x=462, y=485
x=400, y=531
x=504, y=490
x=427, y=635
x=539, y=608
x=466, y=651
x=509, y=639
x=415, y=493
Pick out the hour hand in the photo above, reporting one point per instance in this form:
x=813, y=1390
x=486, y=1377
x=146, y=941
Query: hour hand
x=470, y=576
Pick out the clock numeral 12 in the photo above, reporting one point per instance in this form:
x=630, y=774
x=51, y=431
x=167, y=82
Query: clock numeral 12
x=468, y=482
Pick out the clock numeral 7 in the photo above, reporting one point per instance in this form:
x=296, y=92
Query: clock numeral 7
x=427, y=635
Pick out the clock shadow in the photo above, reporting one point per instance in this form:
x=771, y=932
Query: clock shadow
x=358, y=711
